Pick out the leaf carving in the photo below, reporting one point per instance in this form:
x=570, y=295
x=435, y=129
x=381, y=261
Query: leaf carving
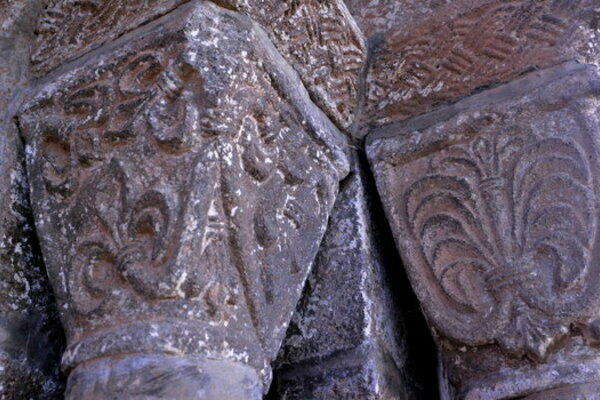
x=506, y=226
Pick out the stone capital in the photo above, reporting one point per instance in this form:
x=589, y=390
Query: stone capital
x=181, y=180
x=493, y=203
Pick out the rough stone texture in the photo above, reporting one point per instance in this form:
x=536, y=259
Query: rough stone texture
x=16, y=18
x=30, y=336
x=346, y=340
x=378, y=17
x=31, y=339
x=425, y=53
x=319, y=38
x=181, y=180
x=493, y=203
x=67, y=29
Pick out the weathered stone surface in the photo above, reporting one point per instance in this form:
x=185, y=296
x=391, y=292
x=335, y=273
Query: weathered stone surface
x=30, y=336
x=432, y=52
x=322, y=42
x=31, y=339
x=68, y=29
x=379, y=17
x=319, y=38
x=494, y=205
x=16, y=18
x=181, y=180
x=347, y=339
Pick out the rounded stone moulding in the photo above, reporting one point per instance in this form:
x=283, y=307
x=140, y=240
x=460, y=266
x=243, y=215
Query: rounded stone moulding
x=145, y=376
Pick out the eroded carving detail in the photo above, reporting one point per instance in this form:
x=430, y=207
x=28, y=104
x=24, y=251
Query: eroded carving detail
x=322, y=42
x=319, y=38
x=69, y=28
x=437, y=62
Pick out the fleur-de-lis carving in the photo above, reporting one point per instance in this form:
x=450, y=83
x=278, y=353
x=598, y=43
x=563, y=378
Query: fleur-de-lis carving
x=129, y=237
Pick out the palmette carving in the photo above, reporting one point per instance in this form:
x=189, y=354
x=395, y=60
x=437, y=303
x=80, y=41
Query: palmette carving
x=506, y=216
x=494, y=210
x=178, y=180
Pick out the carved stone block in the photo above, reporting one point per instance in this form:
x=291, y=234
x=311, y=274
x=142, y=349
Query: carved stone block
x=494, y=207
x=426, y=53
x=347, y=339
x=319, y=38
x=181, y=180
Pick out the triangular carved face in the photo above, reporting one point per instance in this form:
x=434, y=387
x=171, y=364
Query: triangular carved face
x=174, y=181
x=496, y=218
